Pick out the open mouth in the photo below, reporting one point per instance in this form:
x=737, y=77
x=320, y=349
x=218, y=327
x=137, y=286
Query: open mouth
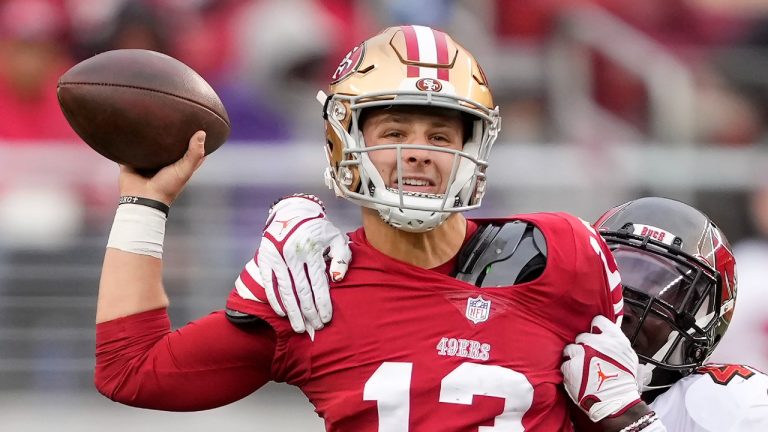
x=416, y=193
x=415, y=186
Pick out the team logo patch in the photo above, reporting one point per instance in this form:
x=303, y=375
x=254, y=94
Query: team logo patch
x=349, y=64
x=723, y=374
x=655, y=233
x=602, y=377
x=478, y=309
x=429, y=84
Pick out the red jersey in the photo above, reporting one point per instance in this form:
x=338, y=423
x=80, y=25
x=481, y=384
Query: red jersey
x=411, y=349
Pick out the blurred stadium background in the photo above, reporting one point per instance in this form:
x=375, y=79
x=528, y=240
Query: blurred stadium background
x=603, y=101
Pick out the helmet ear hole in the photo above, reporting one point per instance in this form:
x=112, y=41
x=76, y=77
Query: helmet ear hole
x=696, y=353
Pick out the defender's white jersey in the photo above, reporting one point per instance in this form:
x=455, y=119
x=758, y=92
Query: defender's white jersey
x=716, y=398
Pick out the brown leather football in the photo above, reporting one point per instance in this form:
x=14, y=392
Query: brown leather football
x=140, y=107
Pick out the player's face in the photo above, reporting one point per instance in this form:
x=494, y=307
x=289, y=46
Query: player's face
x=653, y=333
x=649, y=277
x=423, y=171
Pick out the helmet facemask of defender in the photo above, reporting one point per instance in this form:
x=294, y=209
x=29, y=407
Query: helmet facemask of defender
x=408, y=66
x=678, y=276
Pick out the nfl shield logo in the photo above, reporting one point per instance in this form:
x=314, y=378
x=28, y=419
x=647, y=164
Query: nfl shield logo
x=478, y=309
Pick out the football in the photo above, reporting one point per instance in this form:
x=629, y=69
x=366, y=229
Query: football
x=140, y=108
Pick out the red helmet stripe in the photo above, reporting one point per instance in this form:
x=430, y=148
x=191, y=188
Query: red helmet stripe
x=441, y=43
x=412, y=49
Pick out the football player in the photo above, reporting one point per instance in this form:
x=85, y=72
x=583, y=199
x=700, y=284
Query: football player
x=680, y=285
x=679, y=280
x=423, y=336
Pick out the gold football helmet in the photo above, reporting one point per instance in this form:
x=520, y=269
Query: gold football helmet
x=408, y=65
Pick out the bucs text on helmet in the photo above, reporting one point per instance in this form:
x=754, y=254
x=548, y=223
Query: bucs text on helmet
x=415, y=66
x=679, y=280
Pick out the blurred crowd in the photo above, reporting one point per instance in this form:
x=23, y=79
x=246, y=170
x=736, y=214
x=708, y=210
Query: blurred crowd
x=267, y=59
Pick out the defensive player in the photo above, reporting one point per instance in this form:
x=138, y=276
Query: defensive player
x=410, y=122
x=679, y=281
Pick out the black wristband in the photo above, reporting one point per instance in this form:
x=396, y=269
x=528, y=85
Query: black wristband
x=155, y=204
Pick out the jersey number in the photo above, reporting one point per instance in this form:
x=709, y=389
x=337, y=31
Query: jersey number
x=390, y=387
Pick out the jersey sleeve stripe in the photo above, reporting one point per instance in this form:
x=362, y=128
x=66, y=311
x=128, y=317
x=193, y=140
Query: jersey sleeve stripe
x=253, y=271
x=618, y=300
x=249, y=283
x=244, y=292
x=618, y=308
x=616, y=295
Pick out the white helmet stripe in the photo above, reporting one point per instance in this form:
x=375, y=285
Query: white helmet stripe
x=425, y=45
x=427, y=50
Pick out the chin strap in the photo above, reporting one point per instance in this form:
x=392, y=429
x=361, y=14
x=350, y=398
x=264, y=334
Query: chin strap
x=416, y=221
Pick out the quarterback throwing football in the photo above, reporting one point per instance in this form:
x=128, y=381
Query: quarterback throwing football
x=423, y=337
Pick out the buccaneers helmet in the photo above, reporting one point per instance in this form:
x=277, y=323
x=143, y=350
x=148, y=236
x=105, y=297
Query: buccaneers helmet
x=408, y=65
x=679, y=278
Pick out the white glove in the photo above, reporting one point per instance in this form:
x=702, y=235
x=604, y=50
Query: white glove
x=291, y=256
x=600, y=375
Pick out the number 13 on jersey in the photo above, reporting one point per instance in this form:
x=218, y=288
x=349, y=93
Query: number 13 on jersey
x=390, y=388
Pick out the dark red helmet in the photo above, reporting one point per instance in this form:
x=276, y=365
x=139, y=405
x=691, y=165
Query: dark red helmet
x=679, y=280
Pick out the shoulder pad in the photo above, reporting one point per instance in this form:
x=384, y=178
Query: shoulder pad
x=242, y=319
x=502, y=254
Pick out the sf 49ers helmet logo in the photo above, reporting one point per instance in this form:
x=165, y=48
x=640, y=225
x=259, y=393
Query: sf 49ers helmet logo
x=349, y=64
x=429, y=84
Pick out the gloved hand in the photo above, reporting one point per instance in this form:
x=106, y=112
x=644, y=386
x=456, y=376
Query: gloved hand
x=291, y=259
x=601, y=370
